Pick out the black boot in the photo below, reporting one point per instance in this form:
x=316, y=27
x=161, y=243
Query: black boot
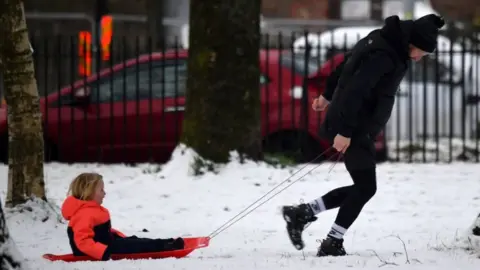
x=297, y=217
x=331, y=247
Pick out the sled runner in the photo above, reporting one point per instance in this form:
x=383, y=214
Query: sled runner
x=190, y=245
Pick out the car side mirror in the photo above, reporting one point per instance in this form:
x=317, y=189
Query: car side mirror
x=82, y=96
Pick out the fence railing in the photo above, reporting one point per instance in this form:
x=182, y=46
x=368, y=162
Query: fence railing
x=128, y=106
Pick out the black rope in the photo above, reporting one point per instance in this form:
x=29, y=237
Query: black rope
x=226, y=225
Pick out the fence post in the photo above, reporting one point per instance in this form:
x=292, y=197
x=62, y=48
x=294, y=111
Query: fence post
x=280, y=81
x=266, y=92
x=304, y=109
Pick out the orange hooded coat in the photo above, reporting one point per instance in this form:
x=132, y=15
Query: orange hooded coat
x=89, y=228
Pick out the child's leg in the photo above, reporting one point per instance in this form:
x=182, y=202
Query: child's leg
x=131, y=245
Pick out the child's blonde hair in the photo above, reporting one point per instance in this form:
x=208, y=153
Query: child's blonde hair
x=83, y=186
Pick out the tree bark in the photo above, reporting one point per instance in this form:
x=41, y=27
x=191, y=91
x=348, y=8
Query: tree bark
x=10, y=258
x=223, y=92
x=155, y=14
x=25, y=175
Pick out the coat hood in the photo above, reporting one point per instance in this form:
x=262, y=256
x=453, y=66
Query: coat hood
x=397, y=33
x=72, y=205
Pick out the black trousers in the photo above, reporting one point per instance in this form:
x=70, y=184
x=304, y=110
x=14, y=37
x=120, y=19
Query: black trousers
x=360, y=163
x=133, y=244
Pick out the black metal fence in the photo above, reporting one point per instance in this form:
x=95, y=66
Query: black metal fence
x=125, y=102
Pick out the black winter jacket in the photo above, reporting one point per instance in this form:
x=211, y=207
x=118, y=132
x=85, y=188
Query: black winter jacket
x=368, y=81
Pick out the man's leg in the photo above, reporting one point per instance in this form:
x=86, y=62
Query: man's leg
x=360, y=163
x=297, y=217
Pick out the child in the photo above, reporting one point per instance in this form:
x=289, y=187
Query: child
x=89, y=229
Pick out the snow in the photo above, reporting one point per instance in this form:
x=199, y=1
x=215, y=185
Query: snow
x=429, y=207
x=9, y=249
x=431, y=150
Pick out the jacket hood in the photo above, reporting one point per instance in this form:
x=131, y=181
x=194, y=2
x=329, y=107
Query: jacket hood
x=397, y=33
x=72, y=205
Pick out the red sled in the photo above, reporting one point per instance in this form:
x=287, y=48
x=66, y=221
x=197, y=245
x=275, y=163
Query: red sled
x=190, y=245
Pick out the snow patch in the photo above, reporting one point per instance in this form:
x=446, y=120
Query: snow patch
x=444, y=149
x=432, y=201
x=35, y=210
x=10, y=250
x=186, y=162
x=473, y=235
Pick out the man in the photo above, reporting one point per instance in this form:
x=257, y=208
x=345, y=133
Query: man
x=363, y=88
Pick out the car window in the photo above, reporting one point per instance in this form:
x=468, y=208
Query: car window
x=428, y=69
x=167, y=79
x=158, y=80
x=428, y=66
x=144, y=81
x=296, y=63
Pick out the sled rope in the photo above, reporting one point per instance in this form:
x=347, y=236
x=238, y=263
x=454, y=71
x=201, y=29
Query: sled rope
x=234, y=219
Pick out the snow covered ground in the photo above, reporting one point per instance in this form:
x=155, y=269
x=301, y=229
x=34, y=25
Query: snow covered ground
x=427, y=207
x=443, y=150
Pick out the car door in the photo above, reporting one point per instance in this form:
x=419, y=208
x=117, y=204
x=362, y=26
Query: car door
x=98, y=128
x=427, y=103
x=172, y=89
x=141, y=120
x=133, y=115
x=119, y=107
x=162, y=101
x=66, y=126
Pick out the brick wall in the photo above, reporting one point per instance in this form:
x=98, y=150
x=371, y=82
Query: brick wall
x=463, y=10
x=301, y=9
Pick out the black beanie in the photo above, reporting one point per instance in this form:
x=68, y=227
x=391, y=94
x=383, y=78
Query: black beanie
x=425, y=32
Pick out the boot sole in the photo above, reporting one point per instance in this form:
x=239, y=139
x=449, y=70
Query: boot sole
x=297, y=246
x=321, y=253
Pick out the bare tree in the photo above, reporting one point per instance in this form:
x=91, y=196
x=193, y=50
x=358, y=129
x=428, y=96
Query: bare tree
x=10, y=258
x=25, y=146
x=223, y=90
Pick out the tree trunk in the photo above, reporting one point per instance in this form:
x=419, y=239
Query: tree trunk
x=155, y=14
x=376, y=10
x=25, y=175
x=223, y=92
x=10, y=258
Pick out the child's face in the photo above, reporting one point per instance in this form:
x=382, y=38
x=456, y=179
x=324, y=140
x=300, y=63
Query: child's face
x=99, y=193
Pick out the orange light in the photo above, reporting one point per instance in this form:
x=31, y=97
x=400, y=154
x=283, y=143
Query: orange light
x=84, y=53
x=106, y=24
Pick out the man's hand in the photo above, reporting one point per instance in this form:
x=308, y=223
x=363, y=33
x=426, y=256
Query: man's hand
x=319, y=104
x=341, y=143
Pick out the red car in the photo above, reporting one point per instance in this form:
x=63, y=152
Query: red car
x=134, y=111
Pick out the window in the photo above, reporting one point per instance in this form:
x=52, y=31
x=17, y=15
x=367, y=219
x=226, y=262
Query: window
x=167, y=79
x=431, y=71
x=158, y=80
x=296, y=63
